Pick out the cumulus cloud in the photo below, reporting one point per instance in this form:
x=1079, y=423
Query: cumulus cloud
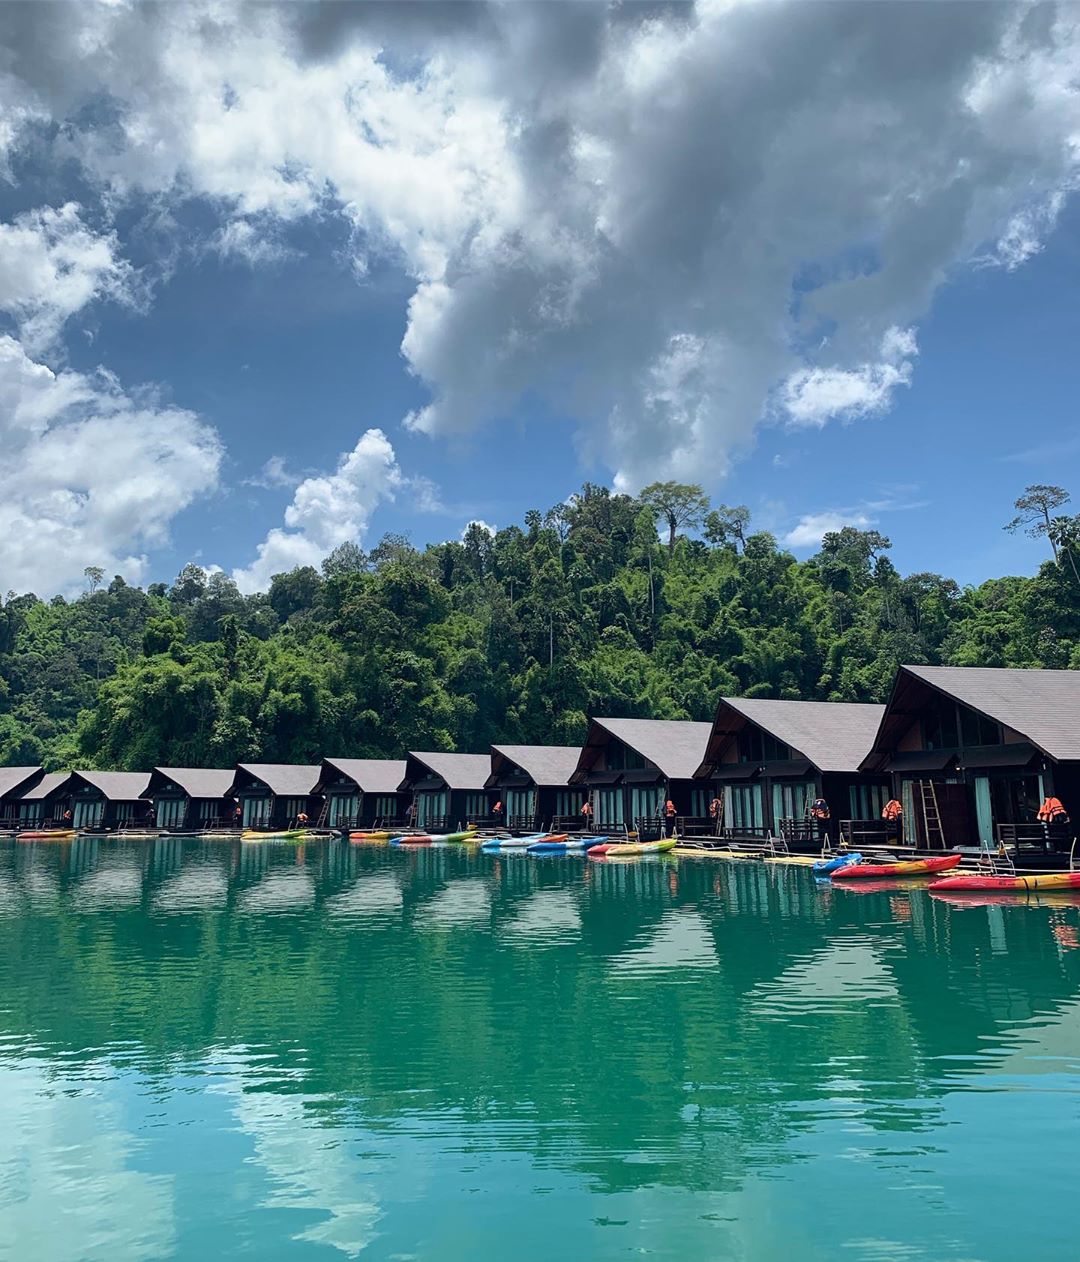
x=327, y=511
x=811, y=528
x=486, y=527
x=91, y=474
x=659, y=219
x=52, y=265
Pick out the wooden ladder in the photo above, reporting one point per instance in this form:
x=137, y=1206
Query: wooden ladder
x=933, y=832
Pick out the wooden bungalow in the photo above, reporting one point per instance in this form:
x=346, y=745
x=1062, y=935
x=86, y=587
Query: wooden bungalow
x=448, y=790
x=14, y=781
x=362, y=792
x=629, y=768
x=973, y=751
x=769, y=760
x=44, y=803
x=533, y=784
x=102, y=801
x=272, y=795
x=188, y=799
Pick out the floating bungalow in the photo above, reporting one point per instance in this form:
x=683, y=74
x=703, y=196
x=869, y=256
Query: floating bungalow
x=189, y=799
x=271, y=795
x=628, y=768
x=362, y=792
x=44, y=803
x=769, y=761
x=448, y=789
x=101, y=801
x=533, y=784
x=973, y=751
x=14, y=781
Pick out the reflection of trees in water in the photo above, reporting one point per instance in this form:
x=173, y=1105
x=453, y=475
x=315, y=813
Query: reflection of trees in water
x=653, y=1022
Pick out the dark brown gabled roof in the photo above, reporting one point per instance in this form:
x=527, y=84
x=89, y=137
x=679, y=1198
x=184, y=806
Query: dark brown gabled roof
x=372, y=775
x=49, y=783
x=117, y=786
x=674, y=746
x=12, y=779
x=549, y=766
x=197, y=782
x=831, y=735
x=1041, y=705
x=283, y=779
x=459, y=771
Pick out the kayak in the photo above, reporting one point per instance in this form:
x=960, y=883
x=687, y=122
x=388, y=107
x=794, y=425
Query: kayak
x=901, y=867
x=1005, y=884
x=495, y=845
x=371, y=835
x=47, y=834
x=619, y=849
x=431, y=839
x=822, y=867
x=292, y=834
x=565, y=845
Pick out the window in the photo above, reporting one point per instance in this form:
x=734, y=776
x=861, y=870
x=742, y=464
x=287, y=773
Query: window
x=939, y=725
x=125, y=812
x=742, y=806
x=977, y=729
x=289, y=808
x=608, y=807
x=88, y=812
x=169, y=812
x=646, y=802
x=430, y=807
x=620, y=757
x=256, y=811
x=568, y=802
x=1015, y=799
x=757, y=746
x=342, y=806
x=699, y=802
x=867, y=801
x=520, y=804
x=30, y=812
x=476, y=806
x=386, y=805
x=790, y=799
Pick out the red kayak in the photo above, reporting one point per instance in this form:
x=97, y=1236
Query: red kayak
x=1007, y=884
x=902, y=867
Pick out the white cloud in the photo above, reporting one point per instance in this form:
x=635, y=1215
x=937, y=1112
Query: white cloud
x=327, y=511
x=52, y=265
x=91, y=474
x=814, y=396
x=274, y=473
x=486, y=527
x=811, y=528
x=615, y=209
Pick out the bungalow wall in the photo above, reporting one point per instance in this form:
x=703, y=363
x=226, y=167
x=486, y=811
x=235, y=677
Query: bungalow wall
x=348, y=806
x=176, y=810
x=440, y=807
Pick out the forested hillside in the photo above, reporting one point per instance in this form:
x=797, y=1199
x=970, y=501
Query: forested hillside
x=513, y=637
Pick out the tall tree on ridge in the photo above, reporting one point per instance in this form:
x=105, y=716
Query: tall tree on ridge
x=678, y=503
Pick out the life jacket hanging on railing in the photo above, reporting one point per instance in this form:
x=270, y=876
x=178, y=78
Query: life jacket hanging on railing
x=1052, y=812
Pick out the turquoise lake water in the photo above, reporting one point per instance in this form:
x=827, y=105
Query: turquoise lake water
x=210, y=1050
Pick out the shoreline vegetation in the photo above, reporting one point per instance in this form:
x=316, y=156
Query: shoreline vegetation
x=512, y=636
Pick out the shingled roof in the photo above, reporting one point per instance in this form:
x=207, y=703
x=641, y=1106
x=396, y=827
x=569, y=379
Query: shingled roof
x=460, y=771
x=49, y=783
x=13, y=778
x=199, y=782
x=1041, y=705
x=675, y=746
x=548, y=765
x=117, y=786
x=832, y=735
x=372, y=775
x=283, y=779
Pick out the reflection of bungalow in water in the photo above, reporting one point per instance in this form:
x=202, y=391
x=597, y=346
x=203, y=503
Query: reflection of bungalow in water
x=769, y=760
x=448, y=789
x=102, y=800
x=973, y=750
x=628, y=769
x=271, y=795
x=14, y=782
x=362, y=792
x=192, y=798
x=533, y=784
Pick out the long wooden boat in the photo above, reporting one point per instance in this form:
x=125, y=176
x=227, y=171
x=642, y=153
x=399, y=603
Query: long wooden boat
x=627, y=849
x=902, y=867
x=47, y=834
x=975, y=883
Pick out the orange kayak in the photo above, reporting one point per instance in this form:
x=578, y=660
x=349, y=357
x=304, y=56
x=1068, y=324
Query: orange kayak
x=902, y=867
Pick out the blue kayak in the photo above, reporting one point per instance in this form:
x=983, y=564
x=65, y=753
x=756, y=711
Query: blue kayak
x=824, y=866
x=573, y=845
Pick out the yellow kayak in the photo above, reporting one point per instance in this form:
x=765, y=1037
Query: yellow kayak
x=292, y=834
x=626, y=849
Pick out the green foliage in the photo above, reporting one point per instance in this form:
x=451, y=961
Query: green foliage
x=515, y=637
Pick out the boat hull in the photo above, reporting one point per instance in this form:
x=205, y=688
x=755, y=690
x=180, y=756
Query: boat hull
x=56, y=834
x=629, y=849
x=1008, y=884
x=903, y=867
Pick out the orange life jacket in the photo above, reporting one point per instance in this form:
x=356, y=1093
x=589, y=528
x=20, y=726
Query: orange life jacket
x=669, y=807
x=1052, y=812
x=893, y=810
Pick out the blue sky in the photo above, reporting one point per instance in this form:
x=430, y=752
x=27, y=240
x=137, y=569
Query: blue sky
x=217, y=277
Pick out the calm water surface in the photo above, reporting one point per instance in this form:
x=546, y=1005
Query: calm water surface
x=216, y=1051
